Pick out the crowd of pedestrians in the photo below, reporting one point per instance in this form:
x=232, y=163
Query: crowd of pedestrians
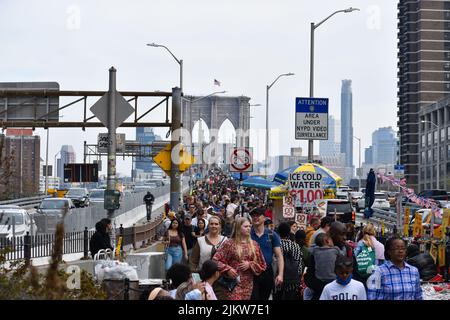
x=222, y=244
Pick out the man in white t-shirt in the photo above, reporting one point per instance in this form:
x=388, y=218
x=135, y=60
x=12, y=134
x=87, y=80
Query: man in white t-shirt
x=344, y=287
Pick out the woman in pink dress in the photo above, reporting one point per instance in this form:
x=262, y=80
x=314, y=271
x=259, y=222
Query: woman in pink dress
x=240, y=256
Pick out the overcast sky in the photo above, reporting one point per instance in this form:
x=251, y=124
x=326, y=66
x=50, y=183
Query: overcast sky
x=245, y=44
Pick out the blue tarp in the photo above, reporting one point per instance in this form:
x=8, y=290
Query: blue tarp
x=235, y=175
x=259, y=182
x=282, y=176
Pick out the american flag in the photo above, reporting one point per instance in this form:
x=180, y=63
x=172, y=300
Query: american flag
x=216, y=83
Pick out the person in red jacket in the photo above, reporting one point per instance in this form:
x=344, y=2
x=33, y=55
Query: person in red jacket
x=269, y=211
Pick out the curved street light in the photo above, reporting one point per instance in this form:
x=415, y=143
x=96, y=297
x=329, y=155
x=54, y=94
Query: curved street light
x=267, y=115
x=314, y=26
x=180, y=62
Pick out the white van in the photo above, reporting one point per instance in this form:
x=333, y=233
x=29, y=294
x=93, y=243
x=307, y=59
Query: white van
x=23, y=223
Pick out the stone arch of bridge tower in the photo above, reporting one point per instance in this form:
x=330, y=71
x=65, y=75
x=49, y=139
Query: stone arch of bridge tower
x=214, y=111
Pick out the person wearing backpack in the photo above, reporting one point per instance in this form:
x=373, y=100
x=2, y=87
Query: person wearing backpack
x=269, y=242
x=293, y=266
x=369, y=240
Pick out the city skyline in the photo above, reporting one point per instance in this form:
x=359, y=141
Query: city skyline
x=234, y=54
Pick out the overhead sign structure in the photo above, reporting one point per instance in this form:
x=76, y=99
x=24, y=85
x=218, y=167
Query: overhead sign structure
x=26, y=107
x=164, y=159
x=311, y=118
x=241, y=160
x=305, y=186
x=103, y=142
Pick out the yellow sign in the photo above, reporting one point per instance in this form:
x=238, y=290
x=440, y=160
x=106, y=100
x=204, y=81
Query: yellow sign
x=164, y=159
x=382, y=228
x=417, y=230
x=445, y=222
x=438, y=232
x=119, y=245
x=441, y=255
x=406, y=222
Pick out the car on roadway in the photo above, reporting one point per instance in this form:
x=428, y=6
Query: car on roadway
x=380, y=202
x=354, y=198
x=55, y=206
x=16, y=222
x=97, y=196
x=79, y=196
x=435, y=194
x=341, y=209
x=343, y=195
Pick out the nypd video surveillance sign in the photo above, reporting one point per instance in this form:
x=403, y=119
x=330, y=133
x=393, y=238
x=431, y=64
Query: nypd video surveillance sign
x=311, y=118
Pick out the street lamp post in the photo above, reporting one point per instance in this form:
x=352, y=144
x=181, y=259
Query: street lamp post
x=359, y=141
x=311, y=66
x=438, y=150
x=180, y=62
x=267, y=116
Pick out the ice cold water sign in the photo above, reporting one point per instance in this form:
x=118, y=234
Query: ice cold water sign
x=305, y=187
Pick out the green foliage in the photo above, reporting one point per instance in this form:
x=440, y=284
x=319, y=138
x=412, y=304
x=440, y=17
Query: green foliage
x=22, y=281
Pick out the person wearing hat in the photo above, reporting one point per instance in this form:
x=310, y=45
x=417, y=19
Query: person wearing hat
x=269, y=224
x=270, y=244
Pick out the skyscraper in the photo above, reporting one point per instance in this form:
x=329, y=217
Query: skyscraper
x=332, y=146
x=384, y=144
x=67, y=155
x=22, y=161
x=145, y=166
x=423, y=71
x=347, y=122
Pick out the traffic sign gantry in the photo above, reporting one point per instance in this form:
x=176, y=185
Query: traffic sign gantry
x=241, y=160
x=164, y=159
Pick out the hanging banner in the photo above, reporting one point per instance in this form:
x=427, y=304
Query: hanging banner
x=409, y=193
x=445, y=222
x=417, y=229
x=441, y=255
x=438, y=232
x=406, y=222
x=434, y=252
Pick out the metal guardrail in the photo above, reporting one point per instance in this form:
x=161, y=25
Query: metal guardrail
x=24, y=202
x=41, y=245
x=80, y=218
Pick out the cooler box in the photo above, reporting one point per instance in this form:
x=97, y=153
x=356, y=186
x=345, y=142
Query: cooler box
x=150, y=265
